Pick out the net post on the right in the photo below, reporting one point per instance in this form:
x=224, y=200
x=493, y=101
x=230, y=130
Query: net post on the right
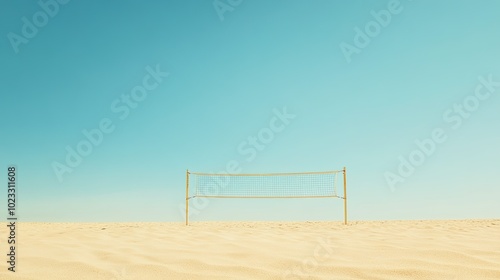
x=345, y=196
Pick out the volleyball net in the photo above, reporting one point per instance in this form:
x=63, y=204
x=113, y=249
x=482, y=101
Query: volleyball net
x=271, y=185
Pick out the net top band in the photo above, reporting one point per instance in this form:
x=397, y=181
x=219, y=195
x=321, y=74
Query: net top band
x=267, y=174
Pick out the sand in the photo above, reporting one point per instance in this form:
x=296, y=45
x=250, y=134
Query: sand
x=467, y=249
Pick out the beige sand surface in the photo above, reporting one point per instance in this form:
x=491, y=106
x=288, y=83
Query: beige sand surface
x=258, y=250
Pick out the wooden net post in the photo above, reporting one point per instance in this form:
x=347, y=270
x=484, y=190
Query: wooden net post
x=187, y=197
x=345, y=197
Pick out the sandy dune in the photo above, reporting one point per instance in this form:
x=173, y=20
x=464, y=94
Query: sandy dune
x=258, y=250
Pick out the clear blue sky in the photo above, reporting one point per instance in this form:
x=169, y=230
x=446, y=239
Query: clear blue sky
x=225, y=79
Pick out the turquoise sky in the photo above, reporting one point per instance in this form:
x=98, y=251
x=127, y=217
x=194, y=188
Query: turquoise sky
x=229, y=69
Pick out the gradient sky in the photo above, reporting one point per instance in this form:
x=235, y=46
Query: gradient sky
x=225, y=79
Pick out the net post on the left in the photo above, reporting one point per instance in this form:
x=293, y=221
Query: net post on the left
x=187, y=196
